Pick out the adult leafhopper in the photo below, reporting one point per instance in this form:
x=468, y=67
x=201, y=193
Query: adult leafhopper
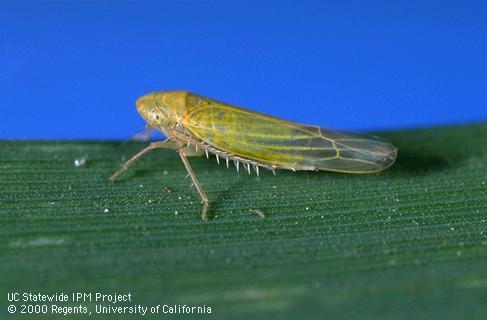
x=195, y=125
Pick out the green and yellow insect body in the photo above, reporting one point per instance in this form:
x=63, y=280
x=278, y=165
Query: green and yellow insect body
x=195, y=125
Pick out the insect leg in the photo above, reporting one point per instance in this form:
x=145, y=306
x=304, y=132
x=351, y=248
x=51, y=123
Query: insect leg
x=154, y=145
x=204, y=213
x=190, y=152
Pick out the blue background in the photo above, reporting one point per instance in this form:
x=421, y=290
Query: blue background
x=74, y=70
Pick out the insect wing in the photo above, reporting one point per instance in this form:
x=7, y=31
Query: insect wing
x=284, y=144
x=355, y=152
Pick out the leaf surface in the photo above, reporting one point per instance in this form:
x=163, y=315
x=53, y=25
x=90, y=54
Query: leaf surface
x=406, y=243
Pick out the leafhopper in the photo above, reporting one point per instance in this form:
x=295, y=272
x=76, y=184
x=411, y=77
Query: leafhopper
x=196, y=126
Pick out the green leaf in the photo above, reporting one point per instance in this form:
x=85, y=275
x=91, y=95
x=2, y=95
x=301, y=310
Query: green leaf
x=407, y=243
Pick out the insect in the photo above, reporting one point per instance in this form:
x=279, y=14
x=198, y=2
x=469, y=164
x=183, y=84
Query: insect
x=195, y=125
